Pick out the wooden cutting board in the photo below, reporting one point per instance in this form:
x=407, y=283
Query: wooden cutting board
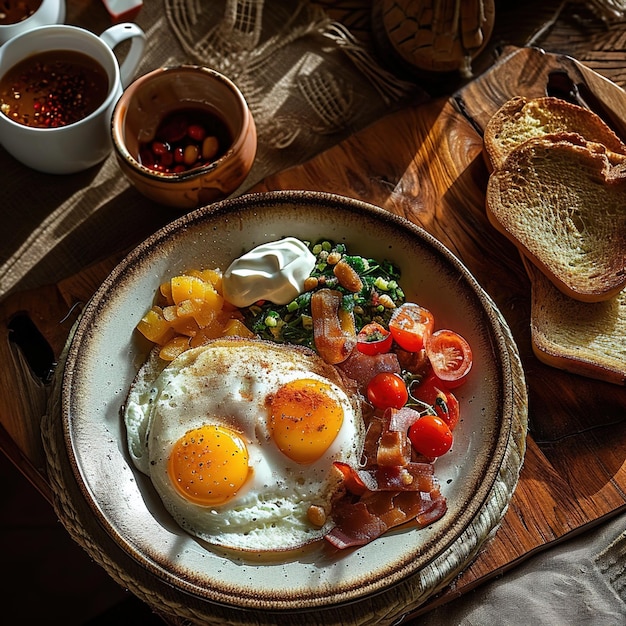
x=426, y=164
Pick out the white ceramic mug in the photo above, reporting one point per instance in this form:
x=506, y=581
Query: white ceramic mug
x=77, y=146
x=49, y=12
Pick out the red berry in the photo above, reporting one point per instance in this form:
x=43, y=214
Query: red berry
x=167, y=159
x=196, y=132
x=179, y=154
x=159, y=148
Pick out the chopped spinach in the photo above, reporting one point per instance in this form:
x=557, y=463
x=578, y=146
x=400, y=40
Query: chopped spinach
x=292, y=322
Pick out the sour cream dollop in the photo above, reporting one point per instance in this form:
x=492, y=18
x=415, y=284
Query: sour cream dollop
x=273, y=271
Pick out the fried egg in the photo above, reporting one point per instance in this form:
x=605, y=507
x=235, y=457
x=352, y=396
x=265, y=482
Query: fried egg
x=239, y=439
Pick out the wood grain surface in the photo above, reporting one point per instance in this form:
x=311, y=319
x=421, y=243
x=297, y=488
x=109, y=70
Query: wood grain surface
x=426, y=164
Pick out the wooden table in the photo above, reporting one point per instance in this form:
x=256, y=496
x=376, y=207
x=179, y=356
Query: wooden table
x=425, y=163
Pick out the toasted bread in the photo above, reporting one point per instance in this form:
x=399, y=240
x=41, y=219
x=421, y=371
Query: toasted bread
x=586, y=338
x=520, y=119
x=563, y=204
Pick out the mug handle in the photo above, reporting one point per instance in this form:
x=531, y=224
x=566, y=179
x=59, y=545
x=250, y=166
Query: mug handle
x=118, y=33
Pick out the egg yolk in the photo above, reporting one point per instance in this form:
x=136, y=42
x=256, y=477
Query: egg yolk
x=304, y=419
x=208, y=465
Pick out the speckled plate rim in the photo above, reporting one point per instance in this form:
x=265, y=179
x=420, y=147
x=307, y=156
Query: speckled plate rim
x=364, y=585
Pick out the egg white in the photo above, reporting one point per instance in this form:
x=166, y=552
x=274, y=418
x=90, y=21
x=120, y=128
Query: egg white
x=227, y=382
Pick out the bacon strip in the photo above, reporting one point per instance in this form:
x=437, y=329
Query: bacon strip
x=438, y=507
x=334, y=333
x=358, y=523
x=356, y=527
x=413, y=476
x=409, y=477
x=363, y=367
x=390, y=489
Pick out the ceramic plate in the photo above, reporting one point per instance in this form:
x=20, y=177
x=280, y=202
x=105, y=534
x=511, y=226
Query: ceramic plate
x=106, y=352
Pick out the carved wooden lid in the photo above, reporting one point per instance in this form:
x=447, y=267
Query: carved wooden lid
x=437, y=35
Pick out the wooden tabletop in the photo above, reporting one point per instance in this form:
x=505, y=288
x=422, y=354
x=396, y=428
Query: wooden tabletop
x=426, y=164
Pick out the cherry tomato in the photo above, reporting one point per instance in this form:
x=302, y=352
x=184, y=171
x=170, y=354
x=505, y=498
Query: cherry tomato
x=430, y=436
x=374, y=339
x=411, y=325
x=450, y=356
x=387, y=390
x=433, y=392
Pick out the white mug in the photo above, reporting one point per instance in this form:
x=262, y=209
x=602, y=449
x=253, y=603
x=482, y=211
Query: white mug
x=49, y=12
x=82, y=144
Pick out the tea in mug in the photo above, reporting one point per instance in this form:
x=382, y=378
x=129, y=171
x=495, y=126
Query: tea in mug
x=53, y=88
x=14, y=11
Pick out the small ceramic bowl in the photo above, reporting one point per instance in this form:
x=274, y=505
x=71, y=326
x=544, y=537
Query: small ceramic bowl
x=187, y=90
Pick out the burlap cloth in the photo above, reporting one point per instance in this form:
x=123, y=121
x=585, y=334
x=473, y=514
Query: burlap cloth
x=309, y=83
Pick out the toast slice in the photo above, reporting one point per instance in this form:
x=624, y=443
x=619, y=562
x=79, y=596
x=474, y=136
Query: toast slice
x=563, y=204
x=585, y=338
x=520, y=119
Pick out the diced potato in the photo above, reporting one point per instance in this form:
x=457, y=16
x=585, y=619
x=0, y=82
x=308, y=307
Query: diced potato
x=213, y=276
x=236, y=328
x=174, y=347
x=183, y=324
x=170, y=313
x=213, y=331
x=165, y=293
x=154, y=327
x=213, y=300
x=199, y=310
x=191, y=311
x=189, y=288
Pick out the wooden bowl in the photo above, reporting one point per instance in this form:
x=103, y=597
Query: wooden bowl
x=431, y=36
